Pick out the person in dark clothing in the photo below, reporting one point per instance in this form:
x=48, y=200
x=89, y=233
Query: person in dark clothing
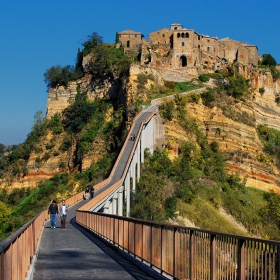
x=53, y=211
x=91, y=190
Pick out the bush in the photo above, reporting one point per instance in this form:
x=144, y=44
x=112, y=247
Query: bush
x=108, y=61
x=268, y=60
x=204, y=78
x=78, y=114
x=166, y=110
x=207, y=98
x=261, y=90
x=58, y=75
x=275, y=73
x=237, y=86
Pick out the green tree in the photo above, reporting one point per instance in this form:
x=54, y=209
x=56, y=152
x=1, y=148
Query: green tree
x=58, y=75
x=167, y=109
x=268, y=60
x=92, y=41
x=237, y=86
x=2, y=149
x=78, y=114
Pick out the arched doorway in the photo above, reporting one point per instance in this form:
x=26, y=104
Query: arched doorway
x=183, y=61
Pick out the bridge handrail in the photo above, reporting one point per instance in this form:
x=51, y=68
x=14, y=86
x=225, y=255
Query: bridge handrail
x=187, y=253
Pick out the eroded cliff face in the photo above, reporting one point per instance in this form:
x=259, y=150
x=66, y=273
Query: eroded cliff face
x=108, y=87
x=239, y=141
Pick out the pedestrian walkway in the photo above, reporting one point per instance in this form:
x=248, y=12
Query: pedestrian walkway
x=74, y=253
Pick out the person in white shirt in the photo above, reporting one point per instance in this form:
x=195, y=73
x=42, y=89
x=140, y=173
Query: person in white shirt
x=63, y=213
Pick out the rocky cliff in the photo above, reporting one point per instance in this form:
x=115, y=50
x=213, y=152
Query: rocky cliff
x=238, y=139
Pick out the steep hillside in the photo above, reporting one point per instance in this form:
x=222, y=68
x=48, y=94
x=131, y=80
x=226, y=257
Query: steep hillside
x=90, y=109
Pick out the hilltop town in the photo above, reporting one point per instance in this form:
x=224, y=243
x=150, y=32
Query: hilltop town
x=184, y=49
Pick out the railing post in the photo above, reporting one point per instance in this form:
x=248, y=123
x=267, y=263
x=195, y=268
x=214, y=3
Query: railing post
x=191, y=253
x=175, y=252
x=2, y=256
x=212, y=256
x=278, y=263
x=241, y=260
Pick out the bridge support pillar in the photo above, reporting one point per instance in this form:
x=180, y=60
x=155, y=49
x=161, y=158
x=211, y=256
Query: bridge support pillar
x=107, y=207
x=115, y=197
x=142, y=145
x=133, y=172
x=138, y=161
x=127, y=188
x=120, y=201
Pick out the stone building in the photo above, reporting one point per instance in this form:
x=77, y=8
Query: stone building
x=130, y=40
x=179, y=47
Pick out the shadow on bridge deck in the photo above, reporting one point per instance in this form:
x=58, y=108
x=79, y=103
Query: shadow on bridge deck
x=74, y=253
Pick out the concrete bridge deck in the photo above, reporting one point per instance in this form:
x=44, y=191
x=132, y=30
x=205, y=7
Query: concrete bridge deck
x=74, y=253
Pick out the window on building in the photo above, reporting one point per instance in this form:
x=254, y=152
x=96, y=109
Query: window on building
x=208, y=49
x=183, y=44
x=163, y=35
x=199, y=46
x=187, y=35
x=178, y=35
x=128, y=44
x=198, y=38
x=208, y=40
x=183, y=35
x=175, y=28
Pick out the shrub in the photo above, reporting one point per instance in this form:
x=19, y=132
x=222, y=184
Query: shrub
x=204, y=78
x=166, y=110
x=58, y=75
x=268, y=60
x=54, y=124
x=275, y=73
x=261, y=90
x=237, y=86
x=78, y=114
x=207, y=98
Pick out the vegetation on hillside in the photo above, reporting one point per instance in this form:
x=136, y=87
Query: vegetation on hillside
x=271, y=141
x=269, y=61
x=73, y=134
x=196, y=185
x=106, y=60
x=77, y=128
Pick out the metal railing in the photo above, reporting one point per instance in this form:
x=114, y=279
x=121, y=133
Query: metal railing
x=188, y=253
x=18, y=250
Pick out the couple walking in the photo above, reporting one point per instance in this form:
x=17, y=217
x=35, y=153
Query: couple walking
x=53, y=211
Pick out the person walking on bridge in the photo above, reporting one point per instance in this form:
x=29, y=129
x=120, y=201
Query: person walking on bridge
x=53, y=211
x=63, y=213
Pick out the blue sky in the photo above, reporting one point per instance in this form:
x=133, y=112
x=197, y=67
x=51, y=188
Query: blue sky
x=36, y=35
